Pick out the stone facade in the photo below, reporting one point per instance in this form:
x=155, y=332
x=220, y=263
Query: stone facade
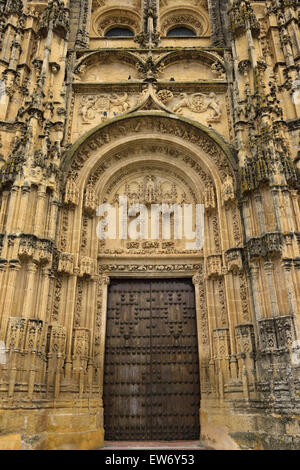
x=213, y=119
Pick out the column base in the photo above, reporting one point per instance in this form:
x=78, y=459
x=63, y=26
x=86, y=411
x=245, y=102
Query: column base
x=62, y=428
x=225, y=428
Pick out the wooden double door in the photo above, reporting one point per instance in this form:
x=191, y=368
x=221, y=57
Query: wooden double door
x=151, y=373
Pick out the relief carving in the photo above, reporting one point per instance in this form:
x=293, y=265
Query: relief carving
x=228, y=193
x=214, y=265
x=197, y=103
x=103, y=106
x=65, y=263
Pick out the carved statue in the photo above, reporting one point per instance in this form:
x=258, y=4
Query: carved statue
x=90, y=200
x=71, y=193
x=228, y=189
x=150, y=190
x=209, y=197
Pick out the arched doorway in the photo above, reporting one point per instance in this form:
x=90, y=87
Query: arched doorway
x=151, y=157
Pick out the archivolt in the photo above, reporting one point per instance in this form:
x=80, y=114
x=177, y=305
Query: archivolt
x=202, y=149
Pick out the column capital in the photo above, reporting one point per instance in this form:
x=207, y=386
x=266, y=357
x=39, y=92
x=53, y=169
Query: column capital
x=105, y=280
x=197, y=279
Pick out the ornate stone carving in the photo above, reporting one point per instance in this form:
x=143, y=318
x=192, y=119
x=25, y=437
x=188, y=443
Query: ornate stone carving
x=209, y=197
x=15, y=334
x=200, y=285
x=200, y=103
x=222, y=299
x=86, y=266
x=268, y=244
x=183, y=18
x=65, y=263
x=241, y=13
x=165, y=96
x=71, y=193
x=234, y=260
x=115, y=18
x=161, y=126
x=216, y=232
x=214, y=265
x=56, y=15
x=245, y=336
x=56, y=339
x=228, y=193
x=218, y=69
x=277, y=332
x=268, y=334
x=144, y=268
x=221, y=342
x=151, y=190
x=103, y=106
x=90, y=200
x=81, y=339
x=285, y=331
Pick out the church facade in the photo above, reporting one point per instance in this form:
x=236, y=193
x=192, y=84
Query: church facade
x=119, y=107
